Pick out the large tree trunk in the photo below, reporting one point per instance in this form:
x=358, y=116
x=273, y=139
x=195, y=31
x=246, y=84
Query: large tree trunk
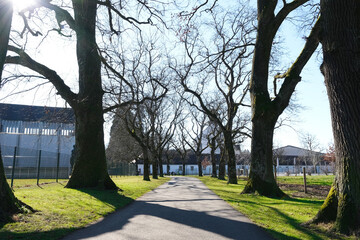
x=261, y=178
x=222, y=164
x=198, y=158
x=90, y=168
x=230, y=153
x=341, y=48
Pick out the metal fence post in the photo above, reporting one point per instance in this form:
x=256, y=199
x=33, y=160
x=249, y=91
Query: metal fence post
x=57, y=166
x=13, y=168
x=38, y=169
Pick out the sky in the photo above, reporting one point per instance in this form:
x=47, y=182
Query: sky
x=313, y=117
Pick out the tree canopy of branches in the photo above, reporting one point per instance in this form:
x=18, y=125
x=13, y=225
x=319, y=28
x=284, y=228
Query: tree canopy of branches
x=148, y=112
x=223, y=62
x=90, y=168
x=266, y=109
x=340, y=41
x=193, y=135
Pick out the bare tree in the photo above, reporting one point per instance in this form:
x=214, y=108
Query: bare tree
x=194, y=137
x=90, y=168
x=266, y=109
x=179, y=144
x=312, y=146
x=222, y=63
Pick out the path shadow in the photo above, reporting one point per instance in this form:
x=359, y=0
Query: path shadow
x=200, y=220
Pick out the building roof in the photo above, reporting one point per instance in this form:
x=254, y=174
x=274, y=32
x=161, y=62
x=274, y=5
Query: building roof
x=15, y=112
x=294, y=151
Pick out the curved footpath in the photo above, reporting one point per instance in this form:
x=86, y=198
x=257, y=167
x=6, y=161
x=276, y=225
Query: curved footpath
x=183, y=208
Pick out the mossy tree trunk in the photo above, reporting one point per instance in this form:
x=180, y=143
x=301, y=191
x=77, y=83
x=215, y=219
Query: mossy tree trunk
x=267, y=109
x=261, y=167
x=341, y=48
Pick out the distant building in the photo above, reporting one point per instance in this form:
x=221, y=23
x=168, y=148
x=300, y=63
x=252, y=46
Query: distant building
x=34, y=128
x=291, y=159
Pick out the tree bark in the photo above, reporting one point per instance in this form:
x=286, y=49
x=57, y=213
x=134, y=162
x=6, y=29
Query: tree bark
x=266, y=110
x=184, y=165
x=161, y=164
x=155, y=165
x=341, y=47
x=6, y=12
x=222, y=164
x=90, y=168
x=230, y=153
x=9, y=204
x=198, y=159
x=213, y=158
x=146, y=176
x=261, y=178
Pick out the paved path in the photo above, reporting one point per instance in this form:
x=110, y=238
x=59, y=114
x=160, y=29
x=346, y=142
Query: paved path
x=183, y=208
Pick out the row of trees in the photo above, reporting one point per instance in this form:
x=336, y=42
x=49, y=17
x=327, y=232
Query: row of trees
x=215, y=76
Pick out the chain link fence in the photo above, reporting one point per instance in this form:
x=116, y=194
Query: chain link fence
x=22, y=163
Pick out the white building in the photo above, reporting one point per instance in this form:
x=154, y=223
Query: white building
x=34, y=128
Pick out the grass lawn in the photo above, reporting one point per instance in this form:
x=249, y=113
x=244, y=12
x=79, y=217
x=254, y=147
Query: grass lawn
x=326, y=180
x=62, y=210
x=282, y=218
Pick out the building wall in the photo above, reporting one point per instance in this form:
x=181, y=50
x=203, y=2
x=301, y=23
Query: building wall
x=30, y=137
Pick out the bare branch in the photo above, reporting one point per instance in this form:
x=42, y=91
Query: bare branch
x=26, y=61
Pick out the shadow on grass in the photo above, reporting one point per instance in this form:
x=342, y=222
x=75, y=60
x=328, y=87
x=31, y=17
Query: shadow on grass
x=113, y=198
x=47, y=235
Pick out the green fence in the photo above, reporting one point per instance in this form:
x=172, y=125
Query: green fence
x=122, y=169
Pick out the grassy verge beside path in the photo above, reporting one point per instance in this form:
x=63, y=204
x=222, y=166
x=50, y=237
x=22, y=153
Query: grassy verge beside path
x=325, y=180
x=62, y=210
x=282, y=218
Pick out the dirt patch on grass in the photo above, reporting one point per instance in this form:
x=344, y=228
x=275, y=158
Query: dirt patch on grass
x=316, y=191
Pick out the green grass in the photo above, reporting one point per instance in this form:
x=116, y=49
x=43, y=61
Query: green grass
x=62, y=210
x=282, y=218
x=310, y=180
